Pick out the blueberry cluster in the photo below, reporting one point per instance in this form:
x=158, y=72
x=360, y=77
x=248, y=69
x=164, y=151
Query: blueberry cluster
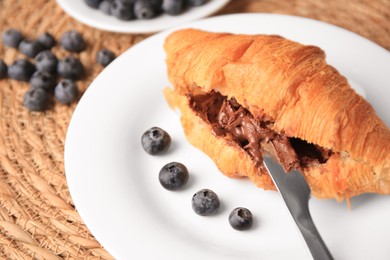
x=174, y=175
x=41, y=68
x=142, y=9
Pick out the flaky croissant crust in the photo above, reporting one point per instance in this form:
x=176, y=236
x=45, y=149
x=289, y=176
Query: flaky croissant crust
x=293, y=85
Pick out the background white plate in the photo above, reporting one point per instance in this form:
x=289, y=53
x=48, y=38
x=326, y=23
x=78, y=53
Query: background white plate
x=97, y=19
x=114, y=183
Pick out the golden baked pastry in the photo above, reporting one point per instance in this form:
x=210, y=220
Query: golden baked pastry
x=241, y=96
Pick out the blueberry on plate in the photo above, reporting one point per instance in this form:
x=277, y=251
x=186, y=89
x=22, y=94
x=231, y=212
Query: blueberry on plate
x=205, y=202
x=46, y=40
x=12, y=38
x=104, y=57
x=105, y=6
x=241, y=219
x=46, y=61
x=72, y=41
x=66, y=91
x=173, y=176
x=30, y=48
x=157, y=5
x=196, y=2
x=36, y=99
x=127, y=1
x=173, y=7
x=21, y=70
x=144, y=9
x=155, y=141
x=42, y=79
x=122, y=10
x=3, y=69
x=93, y=3
x=70, y=68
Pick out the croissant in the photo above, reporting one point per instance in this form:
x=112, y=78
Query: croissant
x=245, y=96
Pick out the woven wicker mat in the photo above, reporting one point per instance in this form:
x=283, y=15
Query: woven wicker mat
x=37, y=216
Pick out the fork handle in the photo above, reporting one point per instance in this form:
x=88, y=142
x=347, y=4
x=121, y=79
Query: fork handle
x=316, y=245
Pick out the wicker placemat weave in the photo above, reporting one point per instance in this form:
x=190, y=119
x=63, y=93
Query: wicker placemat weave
x=38, y=219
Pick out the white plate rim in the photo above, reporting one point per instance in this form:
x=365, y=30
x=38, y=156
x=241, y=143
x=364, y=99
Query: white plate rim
x=77, y=196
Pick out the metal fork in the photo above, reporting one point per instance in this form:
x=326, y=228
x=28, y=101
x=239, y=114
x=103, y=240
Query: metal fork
x=296, y=194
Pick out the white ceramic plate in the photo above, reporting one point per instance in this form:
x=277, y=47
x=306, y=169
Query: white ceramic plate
x=97, y=19
x=114, y=183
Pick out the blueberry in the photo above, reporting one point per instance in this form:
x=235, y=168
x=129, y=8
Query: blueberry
x=173, y=7
x=105, y=6
x=173, y=176
x=70, y=68
x=157, y=4
x=93, y=3
x=104, y=57
x=205, y=202
x=46, y=40
x=144, y=9
x=127, y=1
x=30, y=48
x=12, y=38
x=241, y=219
x=46, y=61
x=72, y=41
x=3, y=69
x=42, y=79
x=66, y=91
x=36, y=99
x=122, y=10
x=155, y=141
x=196, y=2
x=21, y=70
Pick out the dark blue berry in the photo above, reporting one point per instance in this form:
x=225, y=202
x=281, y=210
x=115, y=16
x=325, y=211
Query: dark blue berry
x=157, y=3
x=155, y=141
x=47, y=41
x=70, y=68
x=66, y=91
x=173, y=176
x=144, y=9
x=122, y=10
x=30, y=48
x=93, y=3
x=12, y=38
x=36, y=99
x=72, y=41
x=105, y=6
x=42, y=79
x=3, y=69
x=46, y=61
x=21, y=70
x=196, y=2
x=205, y=202
x=241, y=219
x=104, y=57
x=127, y=1
x=173, y=7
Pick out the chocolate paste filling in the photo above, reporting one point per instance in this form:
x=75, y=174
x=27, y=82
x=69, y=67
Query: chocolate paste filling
x=231, y=120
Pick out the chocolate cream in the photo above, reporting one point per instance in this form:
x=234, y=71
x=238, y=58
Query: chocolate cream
x=231, y=120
